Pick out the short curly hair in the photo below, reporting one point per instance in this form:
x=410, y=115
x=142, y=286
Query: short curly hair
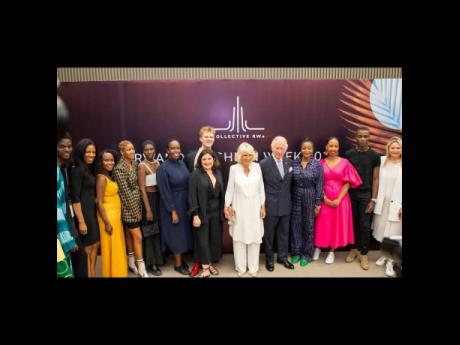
x=243, y=149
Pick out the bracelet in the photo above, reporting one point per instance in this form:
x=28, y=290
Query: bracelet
x=374, y=200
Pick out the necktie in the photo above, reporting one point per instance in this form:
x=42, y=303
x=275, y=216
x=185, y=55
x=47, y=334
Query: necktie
x=280, y=167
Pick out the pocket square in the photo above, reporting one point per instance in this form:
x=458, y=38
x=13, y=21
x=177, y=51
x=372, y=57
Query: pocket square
x=290, y=169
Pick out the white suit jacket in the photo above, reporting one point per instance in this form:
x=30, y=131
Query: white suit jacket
x=396, y=195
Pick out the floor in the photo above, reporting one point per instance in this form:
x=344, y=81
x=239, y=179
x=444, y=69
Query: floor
x=318, y=268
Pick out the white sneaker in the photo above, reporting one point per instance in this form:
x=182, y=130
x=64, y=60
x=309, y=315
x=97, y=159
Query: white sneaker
x=316, y=254
x=330, y=258
x=381, y=261
x=253, y=274
x=389, y=269
x=240, y=273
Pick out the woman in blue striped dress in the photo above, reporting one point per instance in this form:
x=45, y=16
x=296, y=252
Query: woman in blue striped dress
x=307, y=193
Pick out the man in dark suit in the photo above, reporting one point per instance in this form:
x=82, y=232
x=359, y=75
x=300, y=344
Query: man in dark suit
x=207, y=137
x=277, y=175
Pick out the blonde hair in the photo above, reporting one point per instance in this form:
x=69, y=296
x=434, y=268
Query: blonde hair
x=243, y=149
x=391, y=141
x=122, y=145
x=207, y=129
x=279, y=139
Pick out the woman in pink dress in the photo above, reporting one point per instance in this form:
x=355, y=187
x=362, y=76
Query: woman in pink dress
x=334, y=225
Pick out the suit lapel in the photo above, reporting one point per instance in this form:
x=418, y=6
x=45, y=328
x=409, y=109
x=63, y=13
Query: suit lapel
x=285, y=166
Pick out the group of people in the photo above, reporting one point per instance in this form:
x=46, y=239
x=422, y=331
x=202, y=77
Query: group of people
x=135, y=213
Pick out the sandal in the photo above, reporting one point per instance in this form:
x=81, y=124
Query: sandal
x=203, y=275
x=213, y=270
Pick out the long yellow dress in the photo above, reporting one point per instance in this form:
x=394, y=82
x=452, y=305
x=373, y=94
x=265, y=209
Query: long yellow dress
x=113, y=250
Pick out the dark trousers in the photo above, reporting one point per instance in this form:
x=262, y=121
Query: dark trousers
x=279, y=226
x=79, y=261
x=208, y=240
x=361, y=220
x=152, y=245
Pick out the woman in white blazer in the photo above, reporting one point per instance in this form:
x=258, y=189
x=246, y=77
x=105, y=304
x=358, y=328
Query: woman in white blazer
x=388, y=208
x=245, y=209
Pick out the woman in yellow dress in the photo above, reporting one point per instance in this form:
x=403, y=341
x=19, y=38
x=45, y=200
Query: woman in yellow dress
x=113, y=250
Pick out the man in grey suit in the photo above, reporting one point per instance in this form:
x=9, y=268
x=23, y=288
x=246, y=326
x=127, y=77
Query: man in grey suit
x=277, y=175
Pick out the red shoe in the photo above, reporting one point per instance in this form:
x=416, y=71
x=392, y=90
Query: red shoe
x=195, y=269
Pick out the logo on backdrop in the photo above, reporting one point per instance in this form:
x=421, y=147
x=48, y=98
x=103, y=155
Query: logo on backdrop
x=239, y=126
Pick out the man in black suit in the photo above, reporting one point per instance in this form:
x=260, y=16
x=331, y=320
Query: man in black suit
x=207, y=137
x=277, y=175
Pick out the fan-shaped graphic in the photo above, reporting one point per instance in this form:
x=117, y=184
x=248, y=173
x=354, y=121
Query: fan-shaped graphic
x=377, y=107
x=386, y=102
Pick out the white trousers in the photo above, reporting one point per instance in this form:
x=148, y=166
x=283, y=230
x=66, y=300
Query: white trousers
x=246, y=255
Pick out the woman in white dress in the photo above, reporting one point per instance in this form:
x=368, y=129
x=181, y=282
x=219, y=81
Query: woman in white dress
x=245, y=209
x=388, y=208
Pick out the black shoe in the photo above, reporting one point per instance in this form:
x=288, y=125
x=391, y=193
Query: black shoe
x=185, y=264
x=269, y=266
x=286, y=263
x=156, y=271
x=182, y=270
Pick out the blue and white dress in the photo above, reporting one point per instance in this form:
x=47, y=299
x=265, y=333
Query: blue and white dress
x=307, y=192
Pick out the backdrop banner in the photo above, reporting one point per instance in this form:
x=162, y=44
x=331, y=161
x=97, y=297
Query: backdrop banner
x=241, y=110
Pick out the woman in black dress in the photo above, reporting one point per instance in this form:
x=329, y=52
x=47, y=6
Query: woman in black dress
x=83, y=196
x=206, y=205
x=146, y=178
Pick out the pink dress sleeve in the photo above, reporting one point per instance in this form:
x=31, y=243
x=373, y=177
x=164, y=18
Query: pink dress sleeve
x=350, y=175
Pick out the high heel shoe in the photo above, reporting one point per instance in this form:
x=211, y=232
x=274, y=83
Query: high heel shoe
x=142, y=271
x=133, y=269
x=213, y=270
x=195, y=269
x=132, y=264
x=203, y=273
